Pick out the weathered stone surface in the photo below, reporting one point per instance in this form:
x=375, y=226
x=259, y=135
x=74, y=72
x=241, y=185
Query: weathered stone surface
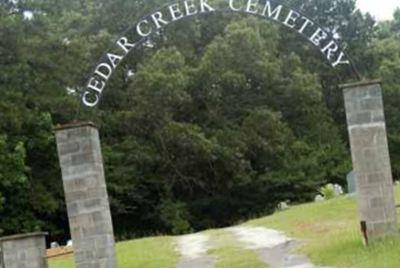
x=370, y=156
x=86, y=195
x=24, y=251
x=351, y=182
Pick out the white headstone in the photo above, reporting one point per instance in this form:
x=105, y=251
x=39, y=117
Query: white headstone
x=319, y=198
x=69, y=243
x=283, y=206
x=338, y=189
x=54, y=245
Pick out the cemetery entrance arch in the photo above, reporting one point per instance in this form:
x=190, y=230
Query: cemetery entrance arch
x=142, y=32
x=79, y=145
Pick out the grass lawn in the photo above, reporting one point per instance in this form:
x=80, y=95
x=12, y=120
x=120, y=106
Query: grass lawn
x=229, y=254
x=157, y=252
x=330, y=230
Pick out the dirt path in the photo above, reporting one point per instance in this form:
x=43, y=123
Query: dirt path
x=193, y=249
x=273, y=247
x=282, y=256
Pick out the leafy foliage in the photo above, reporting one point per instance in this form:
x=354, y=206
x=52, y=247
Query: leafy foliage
x=328, y=191
x=225, y=117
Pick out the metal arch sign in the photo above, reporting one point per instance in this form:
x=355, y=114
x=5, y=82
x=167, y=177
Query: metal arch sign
x=135, y=36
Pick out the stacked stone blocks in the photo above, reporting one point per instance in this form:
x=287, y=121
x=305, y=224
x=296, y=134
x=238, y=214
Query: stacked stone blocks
x=370, y=156
x=24, y=251
x=86, y=195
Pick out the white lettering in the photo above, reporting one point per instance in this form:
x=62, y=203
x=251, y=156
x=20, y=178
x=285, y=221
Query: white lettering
x=125, y=45
x=157, y=19
x=318, y=36
x=87, y=102
x=329, y=49
x=232, y=7
x=106, y=68
x=305, y=25
x=190, y=8
x=139, y=29
x=340, y=60
x=252, y=6
x=176, y=13
x=276, y=12
x=114, y=59
x=204, y=5
x=291, y=19
x=96, y=85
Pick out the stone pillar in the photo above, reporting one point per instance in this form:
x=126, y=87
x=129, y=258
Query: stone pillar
x=86, y=195
x=370, y=155
x=24, y=251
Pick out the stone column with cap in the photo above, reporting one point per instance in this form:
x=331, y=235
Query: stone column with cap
x=24, y=251
x=86, y=195
x=370, y=156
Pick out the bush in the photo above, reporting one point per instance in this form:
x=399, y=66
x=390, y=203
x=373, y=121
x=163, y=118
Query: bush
x=174, y=215
x=328, y=191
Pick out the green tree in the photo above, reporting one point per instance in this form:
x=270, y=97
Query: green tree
x=225, y=117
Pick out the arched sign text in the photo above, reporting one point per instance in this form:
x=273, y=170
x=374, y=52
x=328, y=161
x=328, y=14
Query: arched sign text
x=319, y=37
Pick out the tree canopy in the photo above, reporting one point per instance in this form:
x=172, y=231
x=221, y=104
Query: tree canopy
x=225, y=115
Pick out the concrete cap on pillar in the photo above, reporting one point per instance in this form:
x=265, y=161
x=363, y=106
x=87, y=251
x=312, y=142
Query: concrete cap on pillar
x=361, y=84
x=74, y=125
x=22, y=236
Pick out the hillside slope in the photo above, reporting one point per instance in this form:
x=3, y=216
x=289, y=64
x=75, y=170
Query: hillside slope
x=329, y=230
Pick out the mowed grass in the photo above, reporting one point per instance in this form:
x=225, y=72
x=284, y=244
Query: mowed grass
x=330, y=230
x=229, y=254
x=157, y=252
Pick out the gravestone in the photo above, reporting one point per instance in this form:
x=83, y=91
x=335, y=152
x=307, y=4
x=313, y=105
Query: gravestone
x=319, y=198
x=370, y=156
x=24, y=251
x=86, y=195
x=351, y=182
